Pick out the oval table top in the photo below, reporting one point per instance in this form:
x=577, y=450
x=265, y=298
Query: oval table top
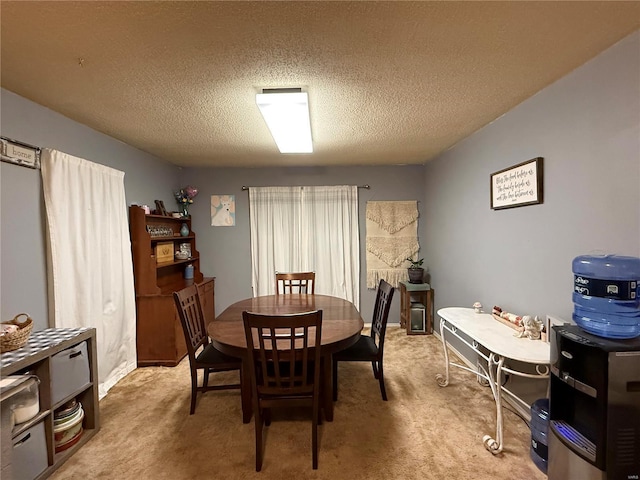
x=341, y=321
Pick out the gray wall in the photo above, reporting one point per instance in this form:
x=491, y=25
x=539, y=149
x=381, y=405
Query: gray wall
x=226, y=251
x=23, y=286
x=587, y=128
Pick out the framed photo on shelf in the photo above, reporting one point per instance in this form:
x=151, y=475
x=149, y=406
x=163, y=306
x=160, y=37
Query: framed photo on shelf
x=160, y=208
x=186, y=248
x=518, y=185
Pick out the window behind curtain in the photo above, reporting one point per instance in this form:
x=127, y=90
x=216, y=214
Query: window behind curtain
x=300, y=229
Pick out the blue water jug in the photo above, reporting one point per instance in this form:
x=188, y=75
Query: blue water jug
x=539, y=431
x=606, y=294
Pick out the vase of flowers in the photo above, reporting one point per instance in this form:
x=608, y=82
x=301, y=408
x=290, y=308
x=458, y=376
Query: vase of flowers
x=184, y=197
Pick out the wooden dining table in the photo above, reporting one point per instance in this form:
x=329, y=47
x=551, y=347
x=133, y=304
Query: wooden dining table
x=341, y=327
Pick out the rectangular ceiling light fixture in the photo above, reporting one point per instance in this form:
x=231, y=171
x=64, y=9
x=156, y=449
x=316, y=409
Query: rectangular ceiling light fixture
x=286, y=111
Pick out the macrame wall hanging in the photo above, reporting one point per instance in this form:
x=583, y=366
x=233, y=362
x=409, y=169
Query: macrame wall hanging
x=392, y=237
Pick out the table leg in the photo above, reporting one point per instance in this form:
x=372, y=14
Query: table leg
x=246, y=392
x=443, y=380
x=327, y=387
x=495, y=365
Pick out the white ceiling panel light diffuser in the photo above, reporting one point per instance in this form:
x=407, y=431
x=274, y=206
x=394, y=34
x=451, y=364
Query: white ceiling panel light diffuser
x=286, y=112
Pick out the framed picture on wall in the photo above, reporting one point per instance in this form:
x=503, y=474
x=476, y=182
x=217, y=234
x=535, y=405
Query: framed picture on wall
x=223, y=210
x=518, y=185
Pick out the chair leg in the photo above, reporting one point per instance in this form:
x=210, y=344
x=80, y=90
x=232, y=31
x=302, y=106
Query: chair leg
x=335, y=380
x=205, y=378
x=314, y=437
x=374, y=366
x=194, y=390
x=266, y=413
x=258, y=422
x=381, y=380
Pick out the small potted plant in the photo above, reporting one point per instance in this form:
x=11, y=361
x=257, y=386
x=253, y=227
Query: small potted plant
x=415, y=270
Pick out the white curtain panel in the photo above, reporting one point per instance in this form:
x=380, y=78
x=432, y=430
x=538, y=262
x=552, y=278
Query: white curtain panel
x=90, y=266
x=300, y=229
x=275, y=234
x=330, y=219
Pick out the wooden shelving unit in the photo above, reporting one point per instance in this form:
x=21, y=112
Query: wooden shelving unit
x=416, y=293
x=35, y=358
x=160, y=340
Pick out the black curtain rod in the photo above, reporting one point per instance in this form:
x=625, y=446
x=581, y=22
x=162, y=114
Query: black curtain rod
x=359, y=186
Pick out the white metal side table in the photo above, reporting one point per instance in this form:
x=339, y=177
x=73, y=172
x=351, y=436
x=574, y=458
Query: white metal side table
x=502, y=344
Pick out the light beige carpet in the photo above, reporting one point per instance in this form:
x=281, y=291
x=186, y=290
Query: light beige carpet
x=423, y=432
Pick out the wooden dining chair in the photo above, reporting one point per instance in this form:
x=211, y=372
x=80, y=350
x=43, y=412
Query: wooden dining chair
x=202, y=354
x=301, y=282
x=284, y=365
x=369, y=348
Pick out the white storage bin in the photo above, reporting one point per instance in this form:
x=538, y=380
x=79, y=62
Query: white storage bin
x=26, y=403
x=69, y=372
x=29, y=456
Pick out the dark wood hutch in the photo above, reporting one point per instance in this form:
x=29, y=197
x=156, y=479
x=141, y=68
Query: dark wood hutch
x=160, y=340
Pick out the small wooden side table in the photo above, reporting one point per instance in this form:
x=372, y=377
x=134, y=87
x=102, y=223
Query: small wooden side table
x=421, y=293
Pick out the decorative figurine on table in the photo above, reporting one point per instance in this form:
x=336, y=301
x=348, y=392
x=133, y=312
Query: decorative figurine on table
x=477, y=307
x=532, y=328
x=525, y=326
x=510, y=319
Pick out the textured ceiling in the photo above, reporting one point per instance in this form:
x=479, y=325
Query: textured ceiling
x=388, y=82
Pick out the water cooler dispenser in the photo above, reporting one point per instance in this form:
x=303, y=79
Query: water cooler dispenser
x=594, y=417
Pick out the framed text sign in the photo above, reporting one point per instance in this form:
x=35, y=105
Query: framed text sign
x=518, y=185
x=19, y=153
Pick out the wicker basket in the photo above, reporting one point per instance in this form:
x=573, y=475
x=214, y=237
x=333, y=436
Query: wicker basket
x=17, y=339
